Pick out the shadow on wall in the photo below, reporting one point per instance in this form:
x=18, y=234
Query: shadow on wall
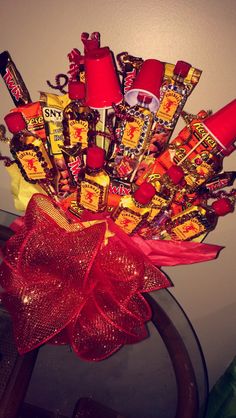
x=217, y=328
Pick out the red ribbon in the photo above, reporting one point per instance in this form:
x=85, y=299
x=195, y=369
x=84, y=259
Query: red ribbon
x=67, y=284
x=172, y=253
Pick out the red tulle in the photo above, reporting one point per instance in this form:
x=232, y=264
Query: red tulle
x=68, y=284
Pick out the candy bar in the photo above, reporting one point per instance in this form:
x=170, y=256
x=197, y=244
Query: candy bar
x=74, y=162
x=53, y=116
x=13, y=80
x=33, y=116
x=195, y=155
x=218, y=182
x=130, y=67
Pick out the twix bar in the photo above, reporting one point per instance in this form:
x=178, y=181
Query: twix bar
x=130, y=67
x=13, y=80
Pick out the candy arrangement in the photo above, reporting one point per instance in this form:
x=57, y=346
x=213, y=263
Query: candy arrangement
x=159, y=182
x=103, y=154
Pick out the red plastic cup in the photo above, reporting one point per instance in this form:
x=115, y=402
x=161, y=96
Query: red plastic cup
x=148, y=81
x=102, y=84
x=222, y=125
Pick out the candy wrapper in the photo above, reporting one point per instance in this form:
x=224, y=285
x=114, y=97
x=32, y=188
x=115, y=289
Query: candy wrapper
x=109, y=198
x=13, y=80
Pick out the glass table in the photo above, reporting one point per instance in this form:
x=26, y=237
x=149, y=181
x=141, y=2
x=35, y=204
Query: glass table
x=164, y=376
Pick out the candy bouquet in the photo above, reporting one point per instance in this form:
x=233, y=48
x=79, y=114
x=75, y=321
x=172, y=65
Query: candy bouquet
x=108, y=195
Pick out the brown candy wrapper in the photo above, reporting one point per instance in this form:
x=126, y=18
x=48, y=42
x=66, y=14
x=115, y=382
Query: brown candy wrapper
x=13, y=80
x=130, y=67
x=117, y=190
x=74, y=161
x=70, y=207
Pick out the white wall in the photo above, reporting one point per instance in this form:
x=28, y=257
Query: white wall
x=39, y=35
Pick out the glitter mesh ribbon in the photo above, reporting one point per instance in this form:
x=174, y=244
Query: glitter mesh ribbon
x=75, y=283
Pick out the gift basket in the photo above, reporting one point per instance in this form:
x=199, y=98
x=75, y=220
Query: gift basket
x=108, y=196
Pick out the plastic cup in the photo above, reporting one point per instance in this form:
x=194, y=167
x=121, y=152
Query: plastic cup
x=102, y=84
x=148, y=81
x=222, y=125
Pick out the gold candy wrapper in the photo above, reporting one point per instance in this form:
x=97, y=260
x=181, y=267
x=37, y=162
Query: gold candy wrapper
x=52, y=107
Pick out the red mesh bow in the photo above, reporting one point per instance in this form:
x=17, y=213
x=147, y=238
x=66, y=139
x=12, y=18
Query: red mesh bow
x=68, y=284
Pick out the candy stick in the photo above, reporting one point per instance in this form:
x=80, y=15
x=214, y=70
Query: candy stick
x=103, y=118
x=136, y=168
x=192, y=149
x=100, y=129
x=47, y=187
